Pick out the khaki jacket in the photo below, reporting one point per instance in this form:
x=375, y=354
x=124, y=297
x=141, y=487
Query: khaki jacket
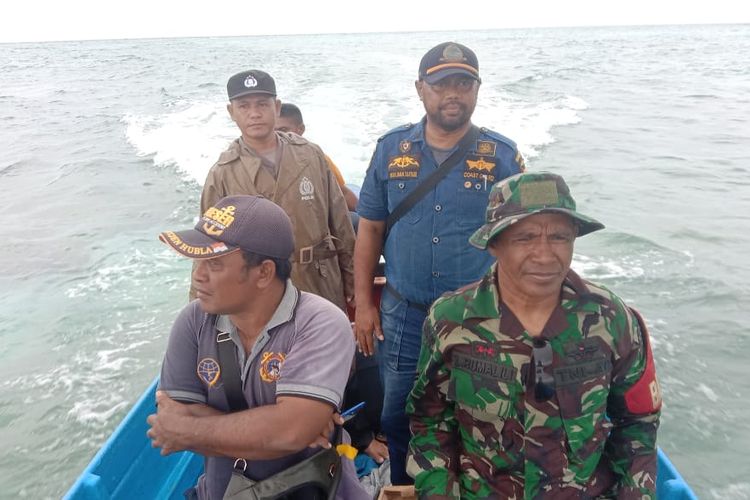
x=307, y=191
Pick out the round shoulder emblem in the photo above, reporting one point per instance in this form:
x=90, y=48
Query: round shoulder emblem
x=270, y=366
x=208, y=371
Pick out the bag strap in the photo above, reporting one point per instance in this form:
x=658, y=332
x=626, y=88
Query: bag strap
x=434, y=178
x=230, y=372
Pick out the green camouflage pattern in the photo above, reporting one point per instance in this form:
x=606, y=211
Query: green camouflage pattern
x=479, y=432
x=521, y=195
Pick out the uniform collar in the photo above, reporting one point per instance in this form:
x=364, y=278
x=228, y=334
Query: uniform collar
x=284, y=312
x=484, y=299
x=417, y=132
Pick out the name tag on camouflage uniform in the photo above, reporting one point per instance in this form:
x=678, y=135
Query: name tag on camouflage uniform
x=484, y=367
x=583, y=361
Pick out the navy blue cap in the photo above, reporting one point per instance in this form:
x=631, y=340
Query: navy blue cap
x=448, y=58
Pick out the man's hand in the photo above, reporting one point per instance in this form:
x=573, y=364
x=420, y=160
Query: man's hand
x=367, y=325
x=325, y=433
x=169, y=424
x=377, y=450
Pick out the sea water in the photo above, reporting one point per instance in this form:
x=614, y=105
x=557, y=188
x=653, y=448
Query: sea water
x=103, y=144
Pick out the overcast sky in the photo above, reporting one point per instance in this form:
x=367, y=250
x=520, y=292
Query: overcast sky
x=47, y=20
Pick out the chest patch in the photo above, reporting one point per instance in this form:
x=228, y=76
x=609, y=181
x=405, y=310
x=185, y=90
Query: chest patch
x=208, y=371
x=586, y=350
x=484, y=367
x=480, y=167
x=306, y=189
x=405, y=166
x=486, y=148
x=270, y=366
x=579, y=372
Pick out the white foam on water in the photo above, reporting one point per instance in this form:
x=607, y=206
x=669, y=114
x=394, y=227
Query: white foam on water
x=192, y=137
x=736, y=491
x=603, y=269
x=530, y=125
x=132, y=270
x=708, y=392
x=96, y=411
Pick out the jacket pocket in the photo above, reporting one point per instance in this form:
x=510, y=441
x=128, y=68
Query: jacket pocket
x=472, y=204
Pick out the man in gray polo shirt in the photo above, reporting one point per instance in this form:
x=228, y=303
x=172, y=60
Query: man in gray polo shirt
x=293, y=350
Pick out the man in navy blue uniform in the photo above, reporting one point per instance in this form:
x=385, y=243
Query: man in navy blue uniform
x=426, y=250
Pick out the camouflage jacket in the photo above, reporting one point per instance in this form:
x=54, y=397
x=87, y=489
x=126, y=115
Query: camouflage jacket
x=478, y=430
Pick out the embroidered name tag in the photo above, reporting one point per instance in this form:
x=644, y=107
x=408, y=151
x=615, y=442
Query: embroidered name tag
x=403, y=167
x=484, y=367
x=577, y=373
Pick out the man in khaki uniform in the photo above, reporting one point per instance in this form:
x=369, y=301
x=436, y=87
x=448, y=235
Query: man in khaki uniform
x=293, y=173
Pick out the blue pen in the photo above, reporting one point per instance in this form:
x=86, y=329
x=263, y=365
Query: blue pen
x=351, y=412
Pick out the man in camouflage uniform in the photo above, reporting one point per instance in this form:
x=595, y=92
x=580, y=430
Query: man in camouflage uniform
x=533, y=382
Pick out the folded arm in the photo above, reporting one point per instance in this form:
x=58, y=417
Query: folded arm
x=262, y=433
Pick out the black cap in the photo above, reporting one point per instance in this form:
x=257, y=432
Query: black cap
x=244, y=222
x=253, y=81
x=448, y=58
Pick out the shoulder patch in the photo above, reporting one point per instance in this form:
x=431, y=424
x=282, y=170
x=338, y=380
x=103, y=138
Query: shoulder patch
x=402, y=128
x=499, y=137
x=644, y=396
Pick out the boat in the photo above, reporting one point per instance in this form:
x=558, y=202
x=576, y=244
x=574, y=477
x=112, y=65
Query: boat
x=126, y=466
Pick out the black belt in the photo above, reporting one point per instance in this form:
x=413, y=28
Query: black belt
x=409, y=303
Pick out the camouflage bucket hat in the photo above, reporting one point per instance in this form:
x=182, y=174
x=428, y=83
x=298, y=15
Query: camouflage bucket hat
x=521, y=195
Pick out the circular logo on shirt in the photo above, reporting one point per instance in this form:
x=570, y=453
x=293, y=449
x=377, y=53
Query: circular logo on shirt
x=251, y=82
x=208, y=371
x=270, y=366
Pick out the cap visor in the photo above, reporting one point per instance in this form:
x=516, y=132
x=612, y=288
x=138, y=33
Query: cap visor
x=195, y=245
x=443, y=73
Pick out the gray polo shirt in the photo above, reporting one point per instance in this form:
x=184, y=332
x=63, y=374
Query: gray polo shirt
x=305, y=350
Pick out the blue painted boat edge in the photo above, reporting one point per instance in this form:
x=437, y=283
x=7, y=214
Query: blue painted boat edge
x=669, y=483
x=127, y=466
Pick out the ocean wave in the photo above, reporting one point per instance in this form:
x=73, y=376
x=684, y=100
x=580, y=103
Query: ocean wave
x=11, y=168
x=189, y=139
x=736, y=491
x=604, y=269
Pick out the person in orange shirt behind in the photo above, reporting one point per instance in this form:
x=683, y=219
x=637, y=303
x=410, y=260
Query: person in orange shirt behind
x=290, y=120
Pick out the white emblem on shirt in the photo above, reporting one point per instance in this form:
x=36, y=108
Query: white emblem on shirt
x=306, y=189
